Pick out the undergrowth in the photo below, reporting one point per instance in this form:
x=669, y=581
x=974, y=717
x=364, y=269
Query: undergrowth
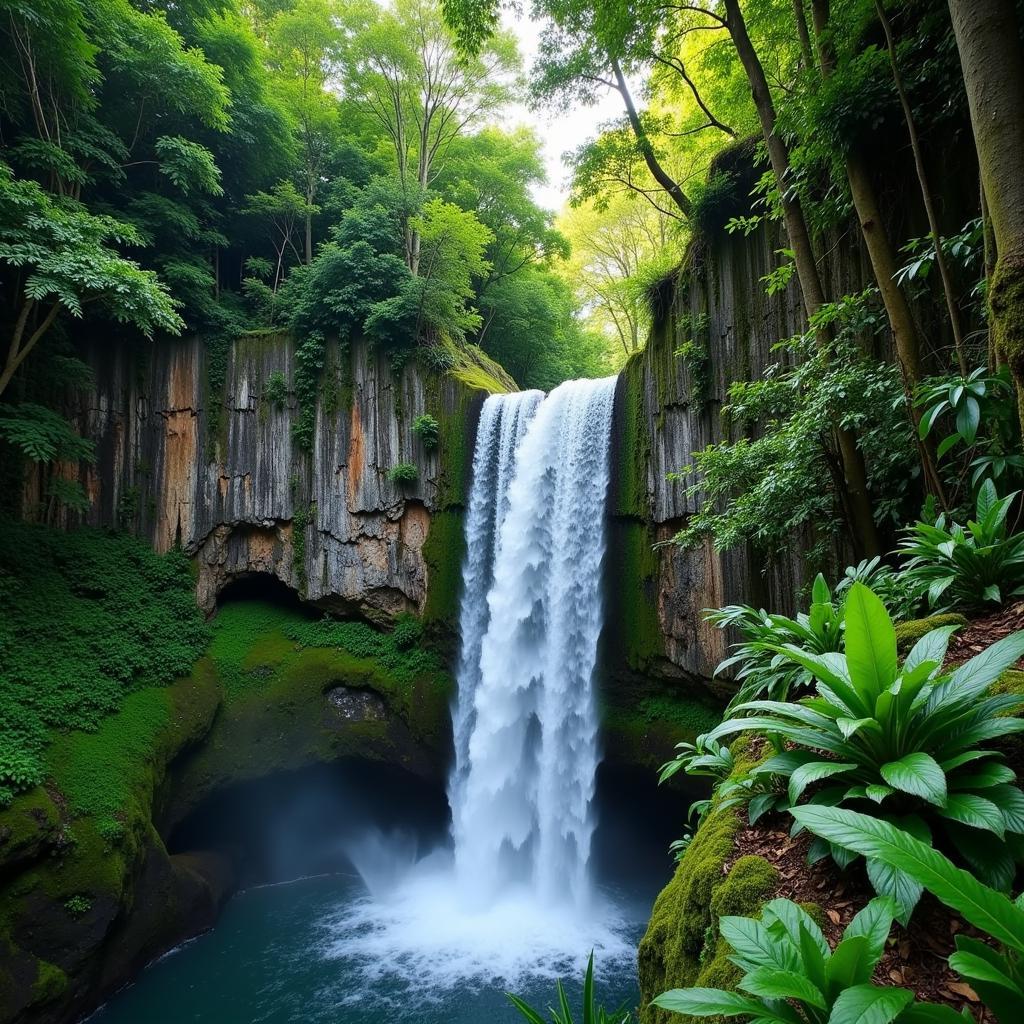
x=89, y=617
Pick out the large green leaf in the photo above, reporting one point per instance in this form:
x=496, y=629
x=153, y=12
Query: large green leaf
x=918, y=774
x=983, y=907
x=772, y=983
x=867, y=1004
x=793, y=917
x=870, y=642
x=851, y=964
x=874, y=922
x=813, y=772
x=974, y=677
x=752, y=941
x=708, y=1002
x=976, y=811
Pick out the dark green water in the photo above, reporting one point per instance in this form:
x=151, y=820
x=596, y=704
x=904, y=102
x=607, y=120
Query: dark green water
x=280, y=956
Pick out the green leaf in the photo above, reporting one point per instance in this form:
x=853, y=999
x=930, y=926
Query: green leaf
x=753, y=941
x=978, y=969
x=870, y=641
x=707, y=1002
x=772, y=983
x=983, y=907
x=851, y=964
x=918, y=774
x=976, y=811
x=793, y=917
x=808, y=773
x=874, y=923
x=525, y=1010
x=866, y=1004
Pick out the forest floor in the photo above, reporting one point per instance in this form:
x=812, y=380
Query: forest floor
x=981, y=633
x=916, y=955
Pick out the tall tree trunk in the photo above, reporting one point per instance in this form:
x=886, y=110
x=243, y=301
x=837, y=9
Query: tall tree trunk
x=988, y=37
x=883, y=261
x=926, y=192
x=863, y=530
x=800, y=17
x=660, y=175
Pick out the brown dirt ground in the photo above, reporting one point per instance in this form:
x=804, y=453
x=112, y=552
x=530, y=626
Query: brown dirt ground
x=980, y=633
x=915, y=957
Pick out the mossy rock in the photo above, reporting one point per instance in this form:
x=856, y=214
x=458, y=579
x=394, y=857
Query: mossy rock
x=278, y=715
x=680, y=947
x=644, y=730
x=909, y=632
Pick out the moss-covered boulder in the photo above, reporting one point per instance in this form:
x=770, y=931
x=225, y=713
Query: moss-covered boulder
x=681, y=946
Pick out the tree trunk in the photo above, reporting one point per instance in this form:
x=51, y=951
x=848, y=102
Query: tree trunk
x=863, y=530
x=926, y=193
x=883, y=264
x=660, y=175
x=988, y=38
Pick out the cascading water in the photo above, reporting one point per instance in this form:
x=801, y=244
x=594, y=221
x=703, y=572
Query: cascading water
x=510, y=906
x=513, y=899
x=503, y=422
x=526, y=727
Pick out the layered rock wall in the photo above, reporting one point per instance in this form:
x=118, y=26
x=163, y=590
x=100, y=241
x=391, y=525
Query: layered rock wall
x=715, y=325
x=220, y=474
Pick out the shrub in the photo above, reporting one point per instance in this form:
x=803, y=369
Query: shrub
x=275, y=390
x=407, y=632
x=427, y=429
x=78, y=905
x=901, y=741
x=996, y=975
x=764, y=668
x=969, y=567
x=786, y=960
x=403, y=474
x=901, y=596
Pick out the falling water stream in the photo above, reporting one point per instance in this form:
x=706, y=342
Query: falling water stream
x=510, y=903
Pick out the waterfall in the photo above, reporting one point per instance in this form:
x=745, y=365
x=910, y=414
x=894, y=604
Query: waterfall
x=503, y=422
x=525, y=719
x=511, y=900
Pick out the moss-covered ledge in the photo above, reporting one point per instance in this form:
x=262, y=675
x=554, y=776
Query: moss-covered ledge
x=681, y=946
x=88, y=890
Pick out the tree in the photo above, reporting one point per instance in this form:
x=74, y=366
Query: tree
x=405, y=67
x=988, y=39
x=857, y=500
x=306, y=44
x=62, y=259
x=617, y=253
x=283, y=207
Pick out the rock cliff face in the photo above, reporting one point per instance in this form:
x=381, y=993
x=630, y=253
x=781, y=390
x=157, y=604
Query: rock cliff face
x=219, y=473
x=668, y=406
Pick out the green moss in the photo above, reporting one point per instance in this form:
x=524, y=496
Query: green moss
x=443, y=551
x=633, y=447
x=50, y=982
x=635, y=598
x=680, y=947
x=27, y=824
x=1011, y=681
x=90, y=617
x=474, y=368
x=909, y=632
x=645, y=731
